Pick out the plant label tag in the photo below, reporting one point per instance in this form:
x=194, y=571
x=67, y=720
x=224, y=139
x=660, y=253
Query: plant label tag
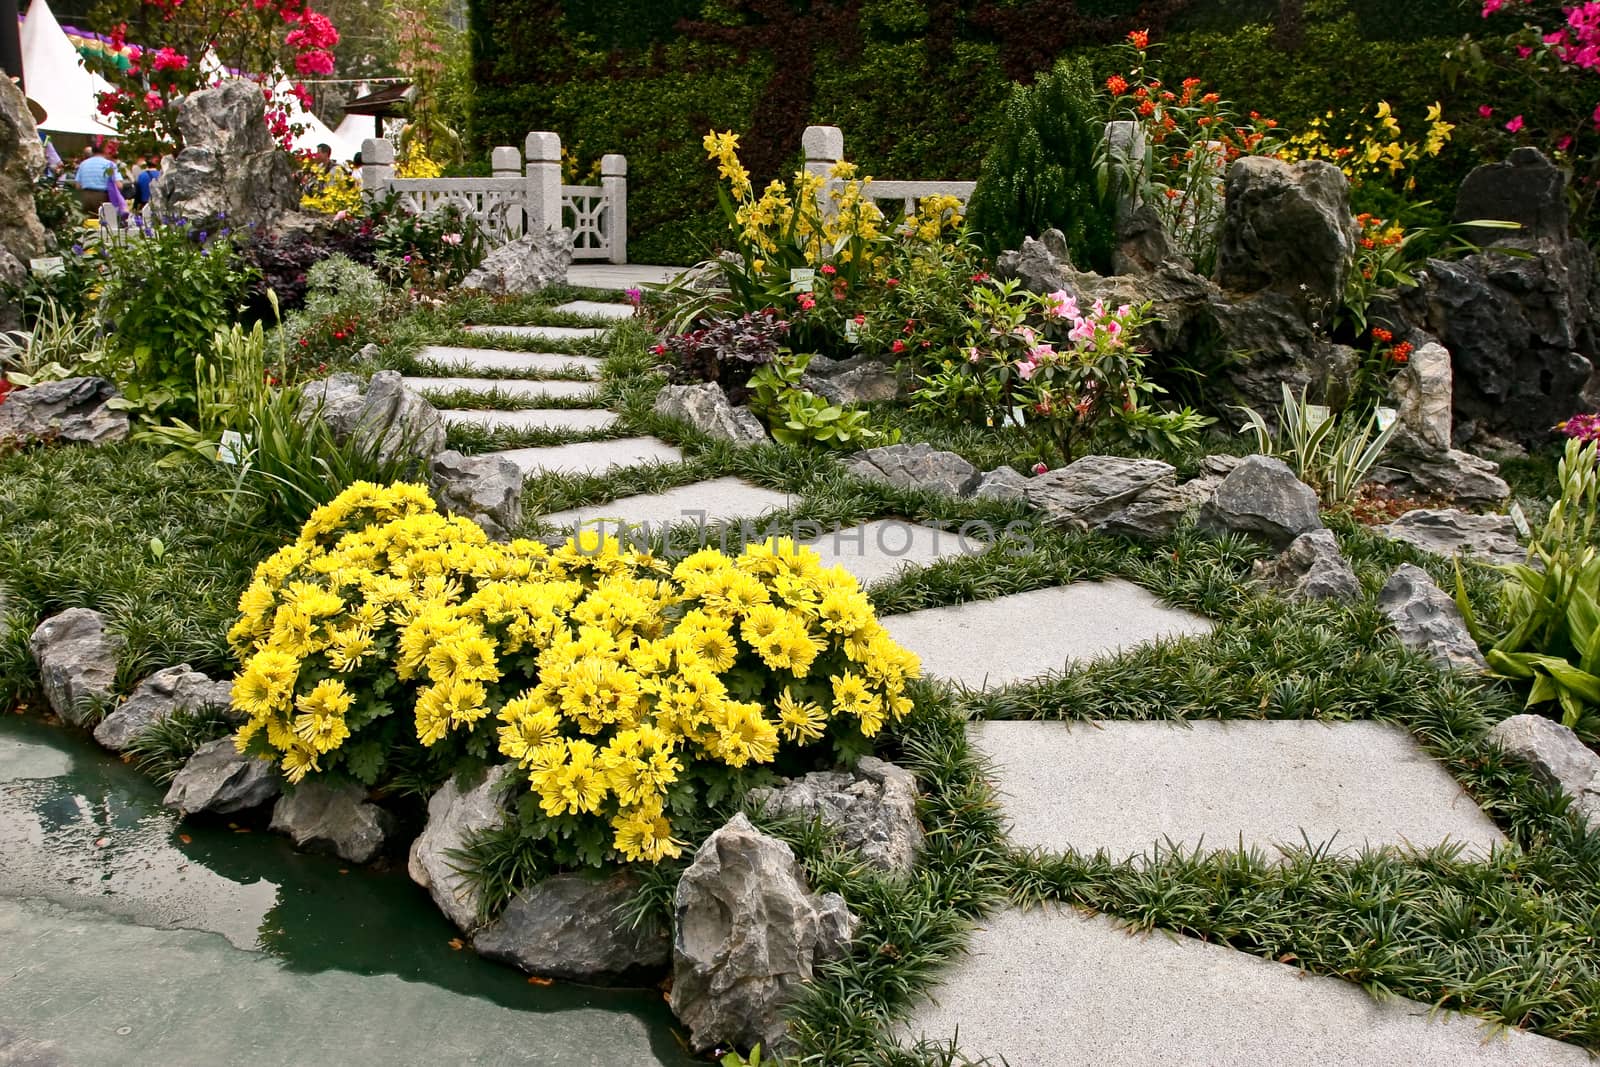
x=1018, y=417
x=1317, y=414
x=230, y=449
x=800, y=279
x=1386, y=417
x=852, y=330
x=47, y=266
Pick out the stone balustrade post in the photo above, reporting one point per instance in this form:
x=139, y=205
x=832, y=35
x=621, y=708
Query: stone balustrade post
x=505, y=162
x=377, y=167
x=822, y=147
x=614, y=183
x=542, y=200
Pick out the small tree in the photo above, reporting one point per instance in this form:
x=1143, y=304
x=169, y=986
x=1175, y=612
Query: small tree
x=1041, y=172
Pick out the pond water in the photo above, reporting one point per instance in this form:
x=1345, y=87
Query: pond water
x=115, y=921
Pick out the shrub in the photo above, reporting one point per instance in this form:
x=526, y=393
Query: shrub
x=282, y=262
x=627, y=690
x=726, y=352
x=1040, y=173
x=432, y=251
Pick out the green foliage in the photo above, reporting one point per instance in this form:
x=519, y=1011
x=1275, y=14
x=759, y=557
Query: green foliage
x=162, y=748
x=432, y=251
x=1552, y=610
x=1331, y=453
x=1040, y=173
x=797, y=416
x=60, y=212
x=57, y=345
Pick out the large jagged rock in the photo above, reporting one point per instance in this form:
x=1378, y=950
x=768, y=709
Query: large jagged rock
x=230, y=165
x=707, y=408
x=486, y=489
x=383, y=414
x=1523, y=331
x=1002, y=483
x=862, y=380
x=21, y=161
x=914, y=466
x=333, y=818
x=1450, y=532
x=1262, y=497
x=1091, y=489
x=1287, y=227
x=454, y=816
x=572, y=927
x=1557, y=757
x=1423, y=392
x=70, y=411
x=748, y=935
x=872, y=809
x=1411, y=467
x=1428, y=621
x=77, y=661
x=159, y=697
x=532, y=262
x=1277, y=343
x=1311, y=568
x=219, y=780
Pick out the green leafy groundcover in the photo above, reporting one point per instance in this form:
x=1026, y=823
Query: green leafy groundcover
x=917, y=86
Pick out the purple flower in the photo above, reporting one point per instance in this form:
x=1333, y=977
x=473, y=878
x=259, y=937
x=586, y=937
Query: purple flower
x=77, y=250
x=634, y=295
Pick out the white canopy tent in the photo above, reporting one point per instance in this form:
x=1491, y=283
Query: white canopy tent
x=57, y=78
x=352, y=130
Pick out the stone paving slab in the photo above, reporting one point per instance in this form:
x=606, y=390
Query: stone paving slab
x=1130, y=787
x=993, y=643
x=885, y=548
x=454, y=359
x=619, y=275
x=533, y=418
x=593, y=457
x=717, y=500
x=522, y=388
x=563, y=334
x=596, y=309
x=1049, y=988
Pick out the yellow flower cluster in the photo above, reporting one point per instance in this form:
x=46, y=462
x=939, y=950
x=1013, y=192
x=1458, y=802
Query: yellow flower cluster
x=613, y=680
x=336, y=190
x=1368, y=150
x=418, y=165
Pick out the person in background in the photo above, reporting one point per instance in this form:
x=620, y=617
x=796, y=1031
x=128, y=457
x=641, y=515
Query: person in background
x=93, y=177
x=147, y=178
x=52, y=158
x=324, y=157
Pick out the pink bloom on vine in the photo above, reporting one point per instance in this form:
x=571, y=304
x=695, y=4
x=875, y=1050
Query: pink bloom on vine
x=1492, y=6
x=1523, y=51
x=167, y=59
x=153, y=101
x=314, y=62
x=1060, y=305
x=1515, y=124
x=1484, y=111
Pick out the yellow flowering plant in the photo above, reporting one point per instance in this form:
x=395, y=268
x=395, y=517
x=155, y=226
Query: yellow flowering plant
x=628, y=690
x=331, y=190
x=1370, y=149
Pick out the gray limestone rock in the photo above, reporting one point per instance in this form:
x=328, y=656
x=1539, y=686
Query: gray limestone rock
x=1311, y=568
x=383, y=414
x=21, y=161
x=1093, y=488
x=333, y=818
x=1002, y=483
x=707, y=408
x=230, y=166
x=158, y=697
x=1426, y=620
x=1450, y=531
x=71, y=411
x=1557, y=757
x=455, y=815
x=862, y=380
x=532, y=262
x=1288, y=227
x=1262, y=497
x=77, y=661
x=748, y=934
x=219, y=780
x=486, y=489
x=872, y=810
x=1423, y=393
x=1410, y=466
x=914, y=466
x=1525, y=188
x=571, y=927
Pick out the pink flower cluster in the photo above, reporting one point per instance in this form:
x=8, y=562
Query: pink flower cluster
x=1087, y=331
x=1577, y=44
x=1585, y=428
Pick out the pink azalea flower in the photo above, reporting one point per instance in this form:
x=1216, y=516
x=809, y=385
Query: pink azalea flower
x=1515, y=124
x=972, y=354
x=1082, y=330
x=1040, y=468
x=1041, y=353
x=1484, y=111
x=1060, y=305
x=1025, y=370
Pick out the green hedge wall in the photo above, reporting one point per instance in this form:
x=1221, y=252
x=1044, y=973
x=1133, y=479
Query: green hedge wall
x=916, y=85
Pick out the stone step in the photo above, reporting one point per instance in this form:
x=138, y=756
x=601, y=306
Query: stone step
x=519, y=388
x=454, y=359
x=561, y=334
x=1046, y=987
x=596, y=309
x=1131, y=787
x=994, y=643
x=717, y=500
x=593, y=457
x=533, y=419
x=619, y=276
x=887, y=548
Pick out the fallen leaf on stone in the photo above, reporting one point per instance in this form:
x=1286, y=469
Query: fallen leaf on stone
x=534, y=979
x=185, y=838
x=457, y=944
x=101, y=842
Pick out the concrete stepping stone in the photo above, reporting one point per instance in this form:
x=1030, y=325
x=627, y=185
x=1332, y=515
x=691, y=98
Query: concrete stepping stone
x=562, y=334
x=453, y=359
x=581, y=419
x=717, y=500
x=885, y=548
x=993, y=643
x=519, y=388
x=596, y=309
x=1131, y=787
x=619, y=275
x=593, y=457
x=1046, y=987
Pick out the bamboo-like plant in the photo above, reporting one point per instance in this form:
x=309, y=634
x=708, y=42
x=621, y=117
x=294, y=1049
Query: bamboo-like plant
x=1331, y=453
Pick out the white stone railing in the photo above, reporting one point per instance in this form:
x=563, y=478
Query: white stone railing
x=823, y=147
x=524, y=194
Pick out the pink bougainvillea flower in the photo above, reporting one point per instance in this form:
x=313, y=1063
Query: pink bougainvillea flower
x=1515, y=124
x=1484, y=111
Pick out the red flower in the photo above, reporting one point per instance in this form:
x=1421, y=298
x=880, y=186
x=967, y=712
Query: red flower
x=898, y=347
x=828, y=268
x=167, y=59
x=1117, y=84
x=1401, y=352
x=1381, y=335
x=1139, y=38
x=892, y=282
x=1147, y=109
